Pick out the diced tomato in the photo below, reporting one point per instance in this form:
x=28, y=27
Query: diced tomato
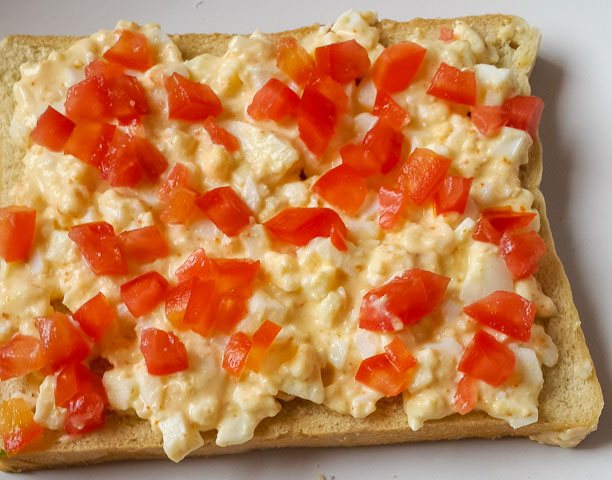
x=226, y=210
x=385, y=144
x=197, y=264
x=522, y=252
x=342, y=187
x=108, y=70
x=17, y=226
x=274, y=101
x=446, y=34
x=128, y=98
x=493, y=222
x=488, y=119
x=233, y=273
x=360, y=159
x=523, y=112
x=316, y=120
x=452, y=195
x=163, y=352
x=261, y=341
x=343, y=61
x=17, y=425
x=191, y=101
x=178, y=177
x=378, y=373
x=299, y=226
x=95, y=316
x=89, y=142
x=180, y=207
x=177, y=299
x=88, y=100
x=19, y=356
x=391, y=204
x=485, y=232
x=236, y=352
x=388, y=110
x=76, y=379
x=330, y=89
x=121, y=166
x=52, y=130
x=61, y=341
x=100, y=248
x=151, y=159
x=396, y=66
x=399, y=356
x=230, y=308
x=450, y=83
x=220, y=136
x=422, y=173
x=85, y=414
x=145, y=244
x=144, y=293
x=466, y=396
x=293, y=60
x=132, y=51
x=487, y=359
x=403, y=300
x=200, y=314
x=505, y=312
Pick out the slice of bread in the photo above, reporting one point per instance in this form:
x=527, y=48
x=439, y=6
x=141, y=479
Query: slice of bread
x=570, y=402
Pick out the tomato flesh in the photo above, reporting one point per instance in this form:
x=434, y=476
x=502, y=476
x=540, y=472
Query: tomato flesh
x=17, y=226
x=132, y=51
x=378, y=373
x=200, y=313
x=524, y=112
x=450, y=83
x=522, y=252
x=144, y=245
x=17, y=425
x=505, y=312
x=144, y=293
x=487, y=359
x=220, y=136
x=261, y=341
x=226, y=210
x=274, y=101
x=163, y=352
x=385, y=145
x=391, y=204
x=89, y=142
x=19, y=356
x=422, y=173
x=76, y=379
x=179, y=176
x=488, y=119
x=100, y=248
x=388, y=110
x=121, y=166
x=128, y=99
x=228, y=273
x=399, y=356
x=293, y=60
x=177, y=299
x=52, y=130
x=150, y=158
x=466, y=396
x=360, y=159
x=342, y=187
x=403, y=300
x=108, y=70
x=95, y=316
x=89, y=100
x=191, y=101
x=316, y=120
x=452, y=195
x=396, y=66
x=180, y=206
x=236, y=352
x=61, y=341
x=343, y=61
x=493, y=222
x=330, y=89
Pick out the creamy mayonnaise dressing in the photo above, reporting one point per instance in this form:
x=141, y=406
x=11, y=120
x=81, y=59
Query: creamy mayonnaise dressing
x=314, y=292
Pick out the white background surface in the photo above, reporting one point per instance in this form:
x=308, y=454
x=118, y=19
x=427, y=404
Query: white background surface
x=573, y=75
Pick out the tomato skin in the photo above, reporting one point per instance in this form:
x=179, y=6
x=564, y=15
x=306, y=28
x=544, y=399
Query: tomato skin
x=316, y=120
x=17, y=225
x=493, y=222
x=524, y=112
x=396, y=66
x=108, y=70
x=179, y=176
x=274, y=101
x=343, y=61
x=163, y=352
x=505, y=312
x=300, y=225
x=388, y=110
x=450, y=83
x=422, y=173
x=128, y=99
x=236, y=352
x=466, y=396
x=360, y=159
x=150, y=158
x=89, y=100
x=391, y=204
x=452, y=195
x=399, y=356
x=121, y=166
x=61, y=341
x=132, y=51
x=180, y=206
x=142, y=294
x=261, y=341
x=200, y=314
x=191, y=101
x=220, y=136
x=488, y=119
x=293, y=60
x=522, y=252
x=487, y=359
x=378, y=373
x=52, y=130
x=95, y=316
x=144, y=245
x=385, y=144
x=343, y=188
x=100, y=247
x=226, y=210
x=485, y=232
x=403, y=300
x=19, y=356
x=330, y=89
x=197, y=264
x=17, y=425
x=89, y=142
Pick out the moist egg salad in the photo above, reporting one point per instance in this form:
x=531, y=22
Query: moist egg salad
x=343, y=334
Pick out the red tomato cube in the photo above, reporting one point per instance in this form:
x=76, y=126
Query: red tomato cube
x=19, y=356
x=52, y=130
x=487, y=359
x=523, y=112
x=163, y=352
x=226, y=210
x=466, y=396
x=220, y=136
x=17, y=226
x=522, y=252
x=151, y=159
x=89, y=142
x=261, y=341
x=236, y=352
x=76, y=379
x=144, y=245
x=121, y=166
x=379, y=374
x=488, y=119
x=178, y=177
x=343, y=61
x=95, y=316
x=274, y=101
x=396, y=66
x=142, y=294
x=100, y=248
x=422, y=173
x=132, y=51
x=330, y=89
x=89, y=100
x=385, y=144
x=343, y=188
x=180, y=207
x=391, y=205
x=399, y=356
x=108, y=70
x=128, y=98
x=191, y=101
x=177, y=299
x=360, y=159
x=61, y=341
x=316, y=120
x=450, y=83
x=388, y=110
x=200, y=314
x=452, y=195
x=293, y=60
x=17, y=425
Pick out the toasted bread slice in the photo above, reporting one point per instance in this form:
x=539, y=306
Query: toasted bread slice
x=563, y=420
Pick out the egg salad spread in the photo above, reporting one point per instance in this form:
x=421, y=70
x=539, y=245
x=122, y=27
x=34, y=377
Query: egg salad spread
x=360, y=210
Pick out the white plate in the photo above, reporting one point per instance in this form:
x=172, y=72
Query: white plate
x=573, y=76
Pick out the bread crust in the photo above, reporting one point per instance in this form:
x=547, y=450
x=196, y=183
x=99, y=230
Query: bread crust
x=302, y=423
